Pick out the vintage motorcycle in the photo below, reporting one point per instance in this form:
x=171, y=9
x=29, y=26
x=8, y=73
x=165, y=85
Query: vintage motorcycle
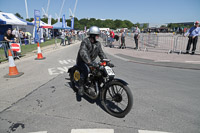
x=114, y=94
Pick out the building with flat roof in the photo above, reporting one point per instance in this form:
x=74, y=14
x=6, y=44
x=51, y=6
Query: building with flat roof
x=183, y=23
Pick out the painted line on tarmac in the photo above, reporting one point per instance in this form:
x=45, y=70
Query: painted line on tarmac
x=92, y=131
x=147, y=131
x=192, y=61
x=39, y=132
x=162, y=60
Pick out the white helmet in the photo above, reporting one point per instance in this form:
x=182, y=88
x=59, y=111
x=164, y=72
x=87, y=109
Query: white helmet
x=94, y=30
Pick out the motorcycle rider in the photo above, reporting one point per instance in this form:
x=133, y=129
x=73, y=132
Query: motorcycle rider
x=90, y=48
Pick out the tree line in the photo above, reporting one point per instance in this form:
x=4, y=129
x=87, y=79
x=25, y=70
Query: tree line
x=108, y=23
x=81, y=23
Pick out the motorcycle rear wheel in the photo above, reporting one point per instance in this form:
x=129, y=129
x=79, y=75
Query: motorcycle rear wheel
x=74, y=83
x=117, y=99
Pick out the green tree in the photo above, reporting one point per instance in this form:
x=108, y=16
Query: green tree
x=44, y=20
x=53, y=21
x=83, y=21
x=145, y=25
x=30, y=19
x=18, y=15
x=163, y=26
x=128, y=23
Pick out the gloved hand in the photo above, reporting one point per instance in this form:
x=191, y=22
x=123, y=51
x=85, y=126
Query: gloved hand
x=94, y=64
x=110, y=64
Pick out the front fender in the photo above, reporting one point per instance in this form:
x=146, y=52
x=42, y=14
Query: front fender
x=117, y=80
x=121, y=81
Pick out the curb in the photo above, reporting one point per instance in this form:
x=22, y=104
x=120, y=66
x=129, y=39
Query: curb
x=154, y=62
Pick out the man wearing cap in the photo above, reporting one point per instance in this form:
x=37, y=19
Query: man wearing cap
x=193, y=32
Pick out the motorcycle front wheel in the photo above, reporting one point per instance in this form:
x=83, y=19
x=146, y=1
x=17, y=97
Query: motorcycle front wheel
x=117, y=99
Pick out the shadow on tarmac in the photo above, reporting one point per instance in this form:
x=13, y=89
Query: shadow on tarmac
x=79, y=98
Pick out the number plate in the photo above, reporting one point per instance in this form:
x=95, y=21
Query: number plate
x=109, y=71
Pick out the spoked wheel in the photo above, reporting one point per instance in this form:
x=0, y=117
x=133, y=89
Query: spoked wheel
x=117, y=99
x=74, y=78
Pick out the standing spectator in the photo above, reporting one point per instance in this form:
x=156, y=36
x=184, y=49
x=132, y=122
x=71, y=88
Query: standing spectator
x=69, y=37
x=21, y=35
x=62, y=38
x=16, y=33
x=136, y=37
x=120, y=36
x=193, y=32
x=122, y=39
x=8, y=37
x=73, y=35
x=112, y=36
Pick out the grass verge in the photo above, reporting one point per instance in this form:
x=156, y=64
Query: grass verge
x=28, y=48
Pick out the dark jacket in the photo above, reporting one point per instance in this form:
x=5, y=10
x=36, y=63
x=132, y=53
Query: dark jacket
x=88, y=52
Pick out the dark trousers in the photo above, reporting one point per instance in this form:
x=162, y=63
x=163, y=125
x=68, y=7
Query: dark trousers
x=136, y=41
x=84, y=72
x=62, y=42
x=192, y=41
x=6, y=47
x=122, y=42
x=69, y=40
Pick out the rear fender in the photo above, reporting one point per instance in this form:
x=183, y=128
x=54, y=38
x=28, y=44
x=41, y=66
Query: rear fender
x=72, y=68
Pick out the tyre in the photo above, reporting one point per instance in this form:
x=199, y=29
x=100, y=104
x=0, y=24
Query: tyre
x=74, y=75
x=117, y=99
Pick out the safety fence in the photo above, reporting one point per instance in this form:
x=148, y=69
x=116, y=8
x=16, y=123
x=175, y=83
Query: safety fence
x=106, y=39
x=163, y=42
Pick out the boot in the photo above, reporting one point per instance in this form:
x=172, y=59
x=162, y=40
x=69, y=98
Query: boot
x=81, y=87
x=80, y=90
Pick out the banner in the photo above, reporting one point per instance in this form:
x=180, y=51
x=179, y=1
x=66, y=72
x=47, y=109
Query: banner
x=72, y=23
x=63, y=22
x=37, y=24
x=49, y=20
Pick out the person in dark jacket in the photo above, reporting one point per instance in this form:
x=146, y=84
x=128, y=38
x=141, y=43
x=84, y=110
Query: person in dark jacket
x=90, y=48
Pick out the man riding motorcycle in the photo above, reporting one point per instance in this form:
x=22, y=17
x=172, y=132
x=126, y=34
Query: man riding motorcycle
x=90, y=48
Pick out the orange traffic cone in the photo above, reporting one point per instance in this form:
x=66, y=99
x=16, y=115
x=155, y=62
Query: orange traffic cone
x=39, y=55
x=13, y=72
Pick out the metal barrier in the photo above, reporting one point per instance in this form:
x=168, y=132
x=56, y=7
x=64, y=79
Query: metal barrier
x=181, y=44
x=4, y=46
x=106, y=39
x=162, y=42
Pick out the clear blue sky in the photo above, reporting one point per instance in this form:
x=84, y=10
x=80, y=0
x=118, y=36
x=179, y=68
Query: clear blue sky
x=152, y=11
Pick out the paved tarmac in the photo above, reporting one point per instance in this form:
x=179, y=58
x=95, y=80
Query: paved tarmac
x=166, y=99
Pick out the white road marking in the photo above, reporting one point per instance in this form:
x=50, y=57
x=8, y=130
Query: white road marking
x=92, y=131
x=39, y=132
x=162, y=61
x=192, y=61
x=63, y=62
x=62, y=69
x=146, y=131
x=52, y=71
